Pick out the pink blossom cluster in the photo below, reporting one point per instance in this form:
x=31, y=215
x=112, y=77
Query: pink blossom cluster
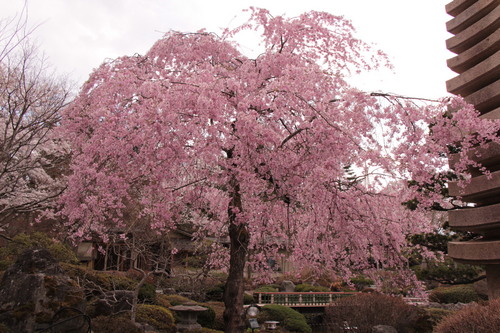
x=321, y=168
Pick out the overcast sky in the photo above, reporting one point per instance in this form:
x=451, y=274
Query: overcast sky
x=78, y=35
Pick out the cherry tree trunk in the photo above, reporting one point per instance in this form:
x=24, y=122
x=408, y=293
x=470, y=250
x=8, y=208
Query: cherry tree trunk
x=239, y=239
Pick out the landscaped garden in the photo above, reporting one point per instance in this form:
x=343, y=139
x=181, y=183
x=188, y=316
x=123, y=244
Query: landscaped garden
x=106, y=297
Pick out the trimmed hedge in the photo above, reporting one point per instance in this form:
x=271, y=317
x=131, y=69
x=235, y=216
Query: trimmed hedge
x=206, y=318
x=291, y=320
x=307, y=287
x=103, y=324
x=176, y=299
x=156, y=316
x=484, y=318
x=361, y=282
x=22, y=242
x=105, y=280
x=216, y=293
x=218, y=308
x=147, y=293
x=206, y=330
x=162, y=300
x=436, y=315
x=454, y=294
x=267, y=289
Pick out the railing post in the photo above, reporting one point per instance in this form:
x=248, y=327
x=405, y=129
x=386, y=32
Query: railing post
x=260, y=298
x=286, y=299
x=272, y=299
x=300, y=299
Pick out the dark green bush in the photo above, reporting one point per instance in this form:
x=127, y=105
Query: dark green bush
x=436, y=315
x=366, y=310
x=248, y=299
x=105, y=280
x=147, y=293
x=267, y=289
x=206, y=318
x=22, y=242
x=113, y=325
x=449, y=272
x=291, y=320
x=162, y=300
x=307, y=287
x=454, y=294
x=176, y=299
x=156, y=316
x=216, y=293
x=484, y=318
x=361, y=282
x=218, y=308
x=206, y=330
x=4, y=329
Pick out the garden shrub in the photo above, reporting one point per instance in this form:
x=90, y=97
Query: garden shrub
x=106, y=280
x=4, y=329
x=218, y=308
x=216, y=293
x=22, y=242
x=206, y=318
x=291, y=320
x=162, y=300
x=176, y=299
x=156, y=316
x=361, y=282
x=366, y=310
x=436, y=315
x=454, y=294
x=484, y=318
x=147, y=293
x=307, y=287
x=206, y=330
x=267, y=289
x=104, y=324
x=248, y=299
x=448, y=271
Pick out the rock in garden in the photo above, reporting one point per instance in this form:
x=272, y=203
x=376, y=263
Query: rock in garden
x=287, y=286
x=34, y=290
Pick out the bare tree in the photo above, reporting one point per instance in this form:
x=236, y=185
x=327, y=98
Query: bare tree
x=31, y=158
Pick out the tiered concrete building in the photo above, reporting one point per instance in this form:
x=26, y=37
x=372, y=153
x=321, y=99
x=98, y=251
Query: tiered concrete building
x=476, y=42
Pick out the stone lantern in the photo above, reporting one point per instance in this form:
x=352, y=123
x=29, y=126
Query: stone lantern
x=188, y=316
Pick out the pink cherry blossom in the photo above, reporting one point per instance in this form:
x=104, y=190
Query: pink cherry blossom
x=279, y=153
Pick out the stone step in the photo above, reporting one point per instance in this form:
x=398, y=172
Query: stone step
x=483, y=220
x=481, y=252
